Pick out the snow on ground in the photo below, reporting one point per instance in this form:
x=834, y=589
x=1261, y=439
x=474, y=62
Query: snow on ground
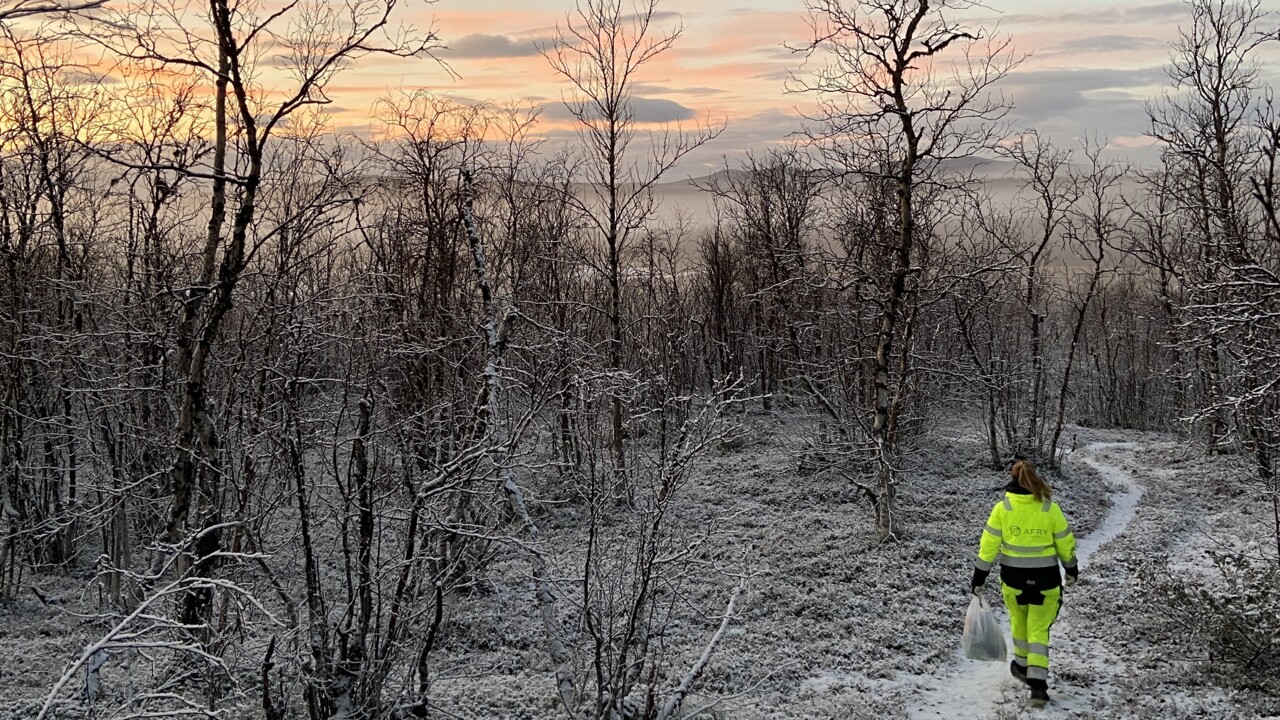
x=1126, y=493
x=1105, y=661
x=980, y=690
x=837, y=624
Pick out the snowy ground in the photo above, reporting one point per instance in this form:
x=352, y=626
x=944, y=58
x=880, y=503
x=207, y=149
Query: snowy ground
x=1104, y=666
x=982, y=690
x=839, y=625
x=835, y=623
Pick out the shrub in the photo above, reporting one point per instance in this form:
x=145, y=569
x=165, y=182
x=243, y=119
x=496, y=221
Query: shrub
x=1233, y=618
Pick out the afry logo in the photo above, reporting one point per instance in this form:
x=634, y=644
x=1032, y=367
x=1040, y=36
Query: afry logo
x=1017, y=531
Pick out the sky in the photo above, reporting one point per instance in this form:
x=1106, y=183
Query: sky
x=1089, y=69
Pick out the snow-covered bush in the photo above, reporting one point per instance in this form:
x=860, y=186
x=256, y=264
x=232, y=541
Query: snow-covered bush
x=1233, y=618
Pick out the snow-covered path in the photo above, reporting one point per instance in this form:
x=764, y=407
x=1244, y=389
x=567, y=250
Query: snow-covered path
x=978, y=690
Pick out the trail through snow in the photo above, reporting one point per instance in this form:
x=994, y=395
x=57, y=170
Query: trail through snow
x=976, y=690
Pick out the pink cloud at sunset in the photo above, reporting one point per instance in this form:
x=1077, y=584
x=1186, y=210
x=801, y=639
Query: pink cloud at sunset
x=1089, y=70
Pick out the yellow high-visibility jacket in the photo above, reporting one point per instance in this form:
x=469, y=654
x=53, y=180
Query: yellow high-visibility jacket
x=1026, y=533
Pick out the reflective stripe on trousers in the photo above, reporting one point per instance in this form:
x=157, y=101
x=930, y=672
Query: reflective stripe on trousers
x=1030, y=626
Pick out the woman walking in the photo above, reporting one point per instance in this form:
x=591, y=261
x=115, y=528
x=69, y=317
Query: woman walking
x=1029, y=533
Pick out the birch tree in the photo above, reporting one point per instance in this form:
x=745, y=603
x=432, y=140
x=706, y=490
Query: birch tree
x=1203, y=126
x=1045, y=169
x=1095, y=226
x=889, y=109
x=224, y=51
x=600, y=50
x=1216, y=126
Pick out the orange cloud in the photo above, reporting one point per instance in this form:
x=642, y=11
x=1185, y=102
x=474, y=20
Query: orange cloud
x=1090, y=68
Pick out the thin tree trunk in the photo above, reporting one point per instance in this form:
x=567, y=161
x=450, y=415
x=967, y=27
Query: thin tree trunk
x=192, y=402
x=991, y=430
x=500, y=453
x=1071, y=356
x=881, y=426
x=1030, y=438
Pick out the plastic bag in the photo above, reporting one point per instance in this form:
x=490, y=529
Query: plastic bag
x=982, y=639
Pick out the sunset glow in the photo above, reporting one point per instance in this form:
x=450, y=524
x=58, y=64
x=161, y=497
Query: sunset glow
x=1089, y=70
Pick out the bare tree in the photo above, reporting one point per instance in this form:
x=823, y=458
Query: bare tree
x=1046, y=171
x=49, y=207
x=1154, y=237
x=599, y=51
x=1217, y=130
x=11, y=10
x=771, y=207
x=980, y=304
x=1095, y=226
x=1261, y=406
x=313, y=49
x=883, y=86
x=1203, y=125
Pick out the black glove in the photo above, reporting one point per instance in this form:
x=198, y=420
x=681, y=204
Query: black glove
x=1072, y=576
x=979, y=580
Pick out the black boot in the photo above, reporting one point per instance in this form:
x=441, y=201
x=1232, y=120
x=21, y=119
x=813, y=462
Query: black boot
x=1017, y=670
x=1039, y=693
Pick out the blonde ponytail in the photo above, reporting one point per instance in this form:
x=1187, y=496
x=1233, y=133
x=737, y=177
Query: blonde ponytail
x=1024, y=473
